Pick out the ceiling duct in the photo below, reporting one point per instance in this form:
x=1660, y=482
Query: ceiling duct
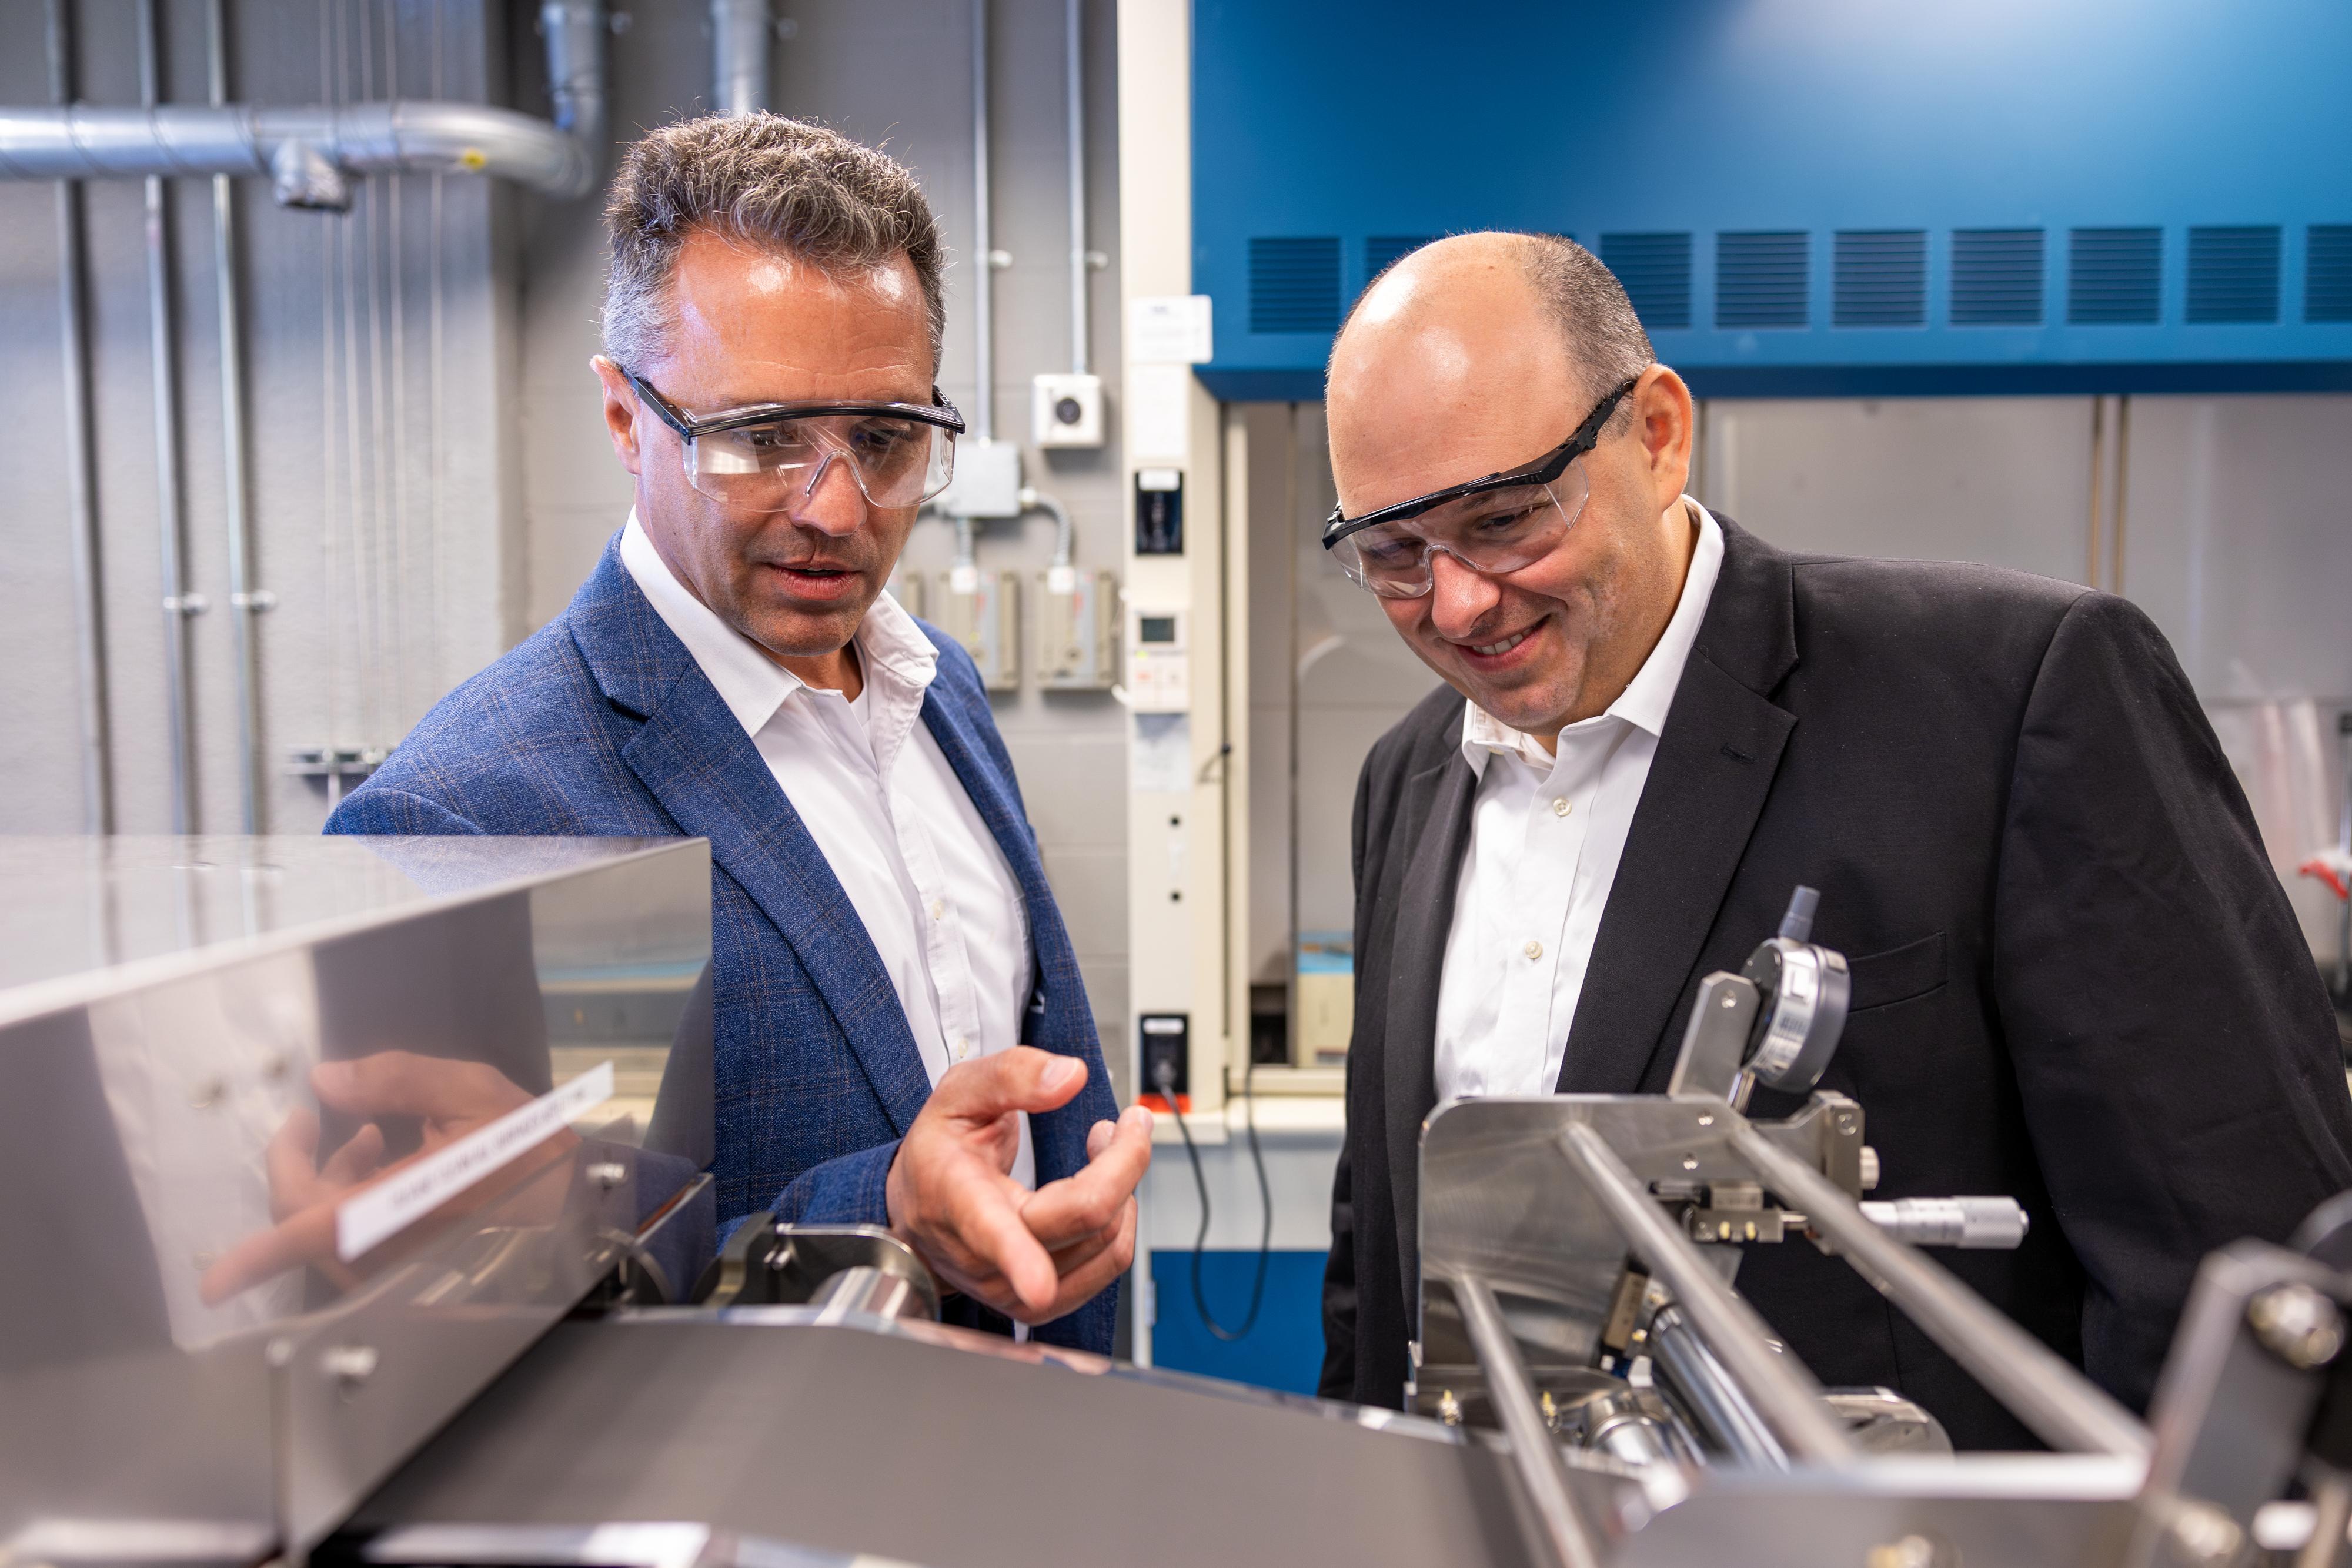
x=309, y=153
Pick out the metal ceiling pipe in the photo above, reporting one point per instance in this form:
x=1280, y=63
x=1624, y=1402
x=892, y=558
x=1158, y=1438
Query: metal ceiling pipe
x=162, y=341
x=243, y=601
x=1080, y=347
x=739, y=55
x=309, y=151
x=983, y=323
x=81, y=509
x=85, y=143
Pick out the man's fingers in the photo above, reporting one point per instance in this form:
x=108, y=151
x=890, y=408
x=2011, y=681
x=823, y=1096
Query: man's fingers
x=1090, y=1199
x=1098, y=1137
x=987, y=1226
x=401, y=1082
x=1086, y=1281
x=357, y=1159
x=268, y=1253
x=289, y=1159
x=1022, y=1078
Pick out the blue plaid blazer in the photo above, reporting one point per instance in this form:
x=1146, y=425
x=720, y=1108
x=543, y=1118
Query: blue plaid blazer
x=602, y=724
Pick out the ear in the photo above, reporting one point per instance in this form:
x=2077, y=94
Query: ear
x=620, y=411
x=1663, y=423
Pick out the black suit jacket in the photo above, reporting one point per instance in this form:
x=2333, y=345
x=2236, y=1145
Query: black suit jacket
x=2076, y=980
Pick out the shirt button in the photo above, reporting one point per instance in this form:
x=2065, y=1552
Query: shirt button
x=1533, y=949
x=1561, y=807
x=939, y=908
x=964, y=1048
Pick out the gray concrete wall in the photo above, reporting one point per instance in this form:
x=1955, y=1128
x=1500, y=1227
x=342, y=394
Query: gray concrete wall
x=374, y=395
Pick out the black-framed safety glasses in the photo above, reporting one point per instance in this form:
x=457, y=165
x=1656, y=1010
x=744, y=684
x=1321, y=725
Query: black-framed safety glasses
x=772, y=456
x=1496, y=524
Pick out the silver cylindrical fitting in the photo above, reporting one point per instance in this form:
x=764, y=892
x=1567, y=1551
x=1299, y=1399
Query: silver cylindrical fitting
x=1971, y=1224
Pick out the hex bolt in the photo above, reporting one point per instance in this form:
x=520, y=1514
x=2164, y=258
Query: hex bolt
x=1449, y=1409
x=608, y=1174
x=2297, y=1324
x=349, y=1364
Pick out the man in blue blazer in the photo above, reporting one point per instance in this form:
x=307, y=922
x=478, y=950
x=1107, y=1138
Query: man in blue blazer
x=902, y=1035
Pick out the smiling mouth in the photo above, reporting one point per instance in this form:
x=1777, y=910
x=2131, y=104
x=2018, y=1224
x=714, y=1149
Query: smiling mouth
x=1490, y=650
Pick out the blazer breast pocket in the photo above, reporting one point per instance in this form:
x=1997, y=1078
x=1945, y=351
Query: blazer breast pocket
x=1897, y=975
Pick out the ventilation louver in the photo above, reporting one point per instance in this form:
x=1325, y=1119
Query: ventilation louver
x=1878, y=277
x=1763, y=280
x=1294, y=285
x=1383, y=251
x=2327, y=273
x=1656, y=269
x=2114, y=277
x=2233, y=274
x=1997, y=277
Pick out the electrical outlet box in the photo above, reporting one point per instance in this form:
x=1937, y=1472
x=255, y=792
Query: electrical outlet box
x=1066, y=410
x=1078, y=630
x=1166, y=1037
x=982, y=610
x=987, y=481
x=906, y=588
x=1159, y=665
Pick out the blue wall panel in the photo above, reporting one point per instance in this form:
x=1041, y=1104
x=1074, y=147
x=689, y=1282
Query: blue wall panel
x=1283, y=1350
x=2022, y=140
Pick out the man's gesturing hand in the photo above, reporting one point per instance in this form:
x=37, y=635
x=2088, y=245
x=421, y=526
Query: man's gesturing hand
x=1031, y=1256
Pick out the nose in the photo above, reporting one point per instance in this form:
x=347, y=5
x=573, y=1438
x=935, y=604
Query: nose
x=1459, y=598
x=831, y=503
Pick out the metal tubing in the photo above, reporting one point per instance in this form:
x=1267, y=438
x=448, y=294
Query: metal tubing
x=739, y=55
x=81, y=485
x=575, y=31
x=2062, y=1407
x=1571, y=1535
x=1783, y=1392
x=244, y=603
x=1080, y=354
x=81, y=143
x=1690, y=1372
x=164, y=358
x=983, y=325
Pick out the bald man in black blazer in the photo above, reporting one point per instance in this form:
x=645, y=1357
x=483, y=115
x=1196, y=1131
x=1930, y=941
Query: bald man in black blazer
x=2075, y=978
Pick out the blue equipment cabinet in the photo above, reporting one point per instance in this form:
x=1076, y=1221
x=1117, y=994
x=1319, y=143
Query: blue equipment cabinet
x=1805, y=197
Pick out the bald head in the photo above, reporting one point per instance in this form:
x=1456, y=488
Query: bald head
x=1483, y=325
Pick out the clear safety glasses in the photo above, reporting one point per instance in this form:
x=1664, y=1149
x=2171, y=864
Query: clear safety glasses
x=772, y=457
x=1495, y=525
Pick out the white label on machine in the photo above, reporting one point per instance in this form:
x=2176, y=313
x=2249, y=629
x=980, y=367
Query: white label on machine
x=383, y=1210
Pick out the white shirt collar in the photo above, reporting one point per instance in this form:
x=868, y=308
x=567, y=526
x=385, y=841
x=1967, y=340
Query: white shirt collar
x=1645, y=700
x=892, y=648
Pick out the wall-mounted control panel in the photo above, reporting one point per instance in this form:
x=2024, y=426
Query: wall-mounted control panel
x=1158, y=663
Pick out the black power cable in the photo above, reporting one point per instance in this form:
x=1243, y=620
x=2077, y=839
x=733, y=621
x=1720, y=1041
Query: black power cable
x=1164, y=1075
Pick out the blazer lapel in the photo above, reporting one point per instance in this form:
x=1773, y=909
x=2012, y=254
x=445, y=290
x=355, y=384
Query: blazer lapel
x=1708, y=785
x=696, y=759
x=1441, y=803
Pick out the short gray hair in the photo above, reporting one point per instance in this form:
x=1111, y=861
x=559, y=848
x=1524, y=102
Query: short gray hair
x=782, y=184
x=1586, y=302
x=1606, y=343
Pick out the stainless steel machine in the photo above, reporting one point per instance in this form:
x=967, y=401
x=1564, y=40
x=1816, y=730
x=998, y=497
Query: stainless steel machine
x=357, y=1215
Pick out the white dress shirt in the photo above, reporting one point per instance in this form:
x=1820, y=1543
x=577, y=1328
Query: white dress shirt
x=1546, y=834
x=887, y=812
